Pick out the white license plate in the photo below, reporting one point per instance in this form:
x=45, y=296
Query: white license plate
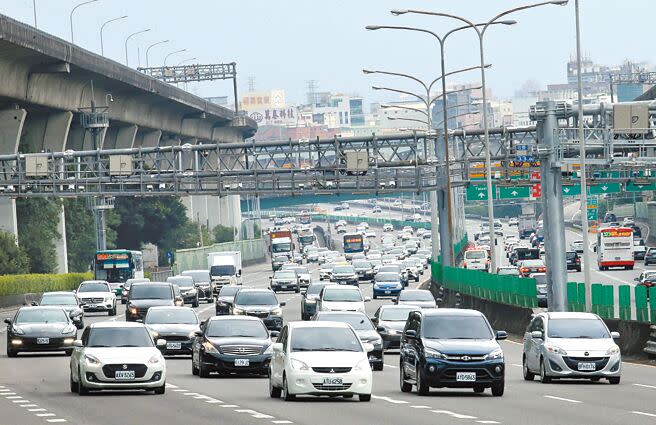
x=388, y=292
x=173, y=345
x=242, y=362
x=465, y=376
x=124, y=375
x=332, y=382
x=587, y=366
x=43, y=340
x=90, y=306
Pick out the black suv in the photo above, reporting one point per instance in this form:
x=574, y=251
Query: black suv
x=144, y=295
x=261, y=303
x=573, y=261
x=451, y=348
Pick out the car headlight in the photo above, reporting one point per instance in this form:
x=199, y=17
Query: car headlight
x=69, y=329
x=276, y=311
x=191, y=334
x=18, y=331
x=237, y=310
x=377, y=340
x=109, y=299
x=209, y=347
x=269, y=349
x=434, y=354
x=191, y=291
x=91, y=360
x=555, y=350
x=299, y=365
x=496, y=354
x=155, y=359
x=613, y=350
x=133, y=311
x=310, y=301
x=362, y=365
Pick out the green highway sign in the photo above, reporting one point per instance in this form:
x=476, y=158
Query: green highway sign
x=571, y=190
x=478, y=192
x=592, y=214
x=593, y=201
x=600, y=189
x=514, y=192
x=635, y=187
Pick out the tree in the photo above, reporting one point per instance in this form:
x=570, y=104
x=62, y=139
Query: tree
x=13, y=259
x=80, y=234
x=38, y=219
x=223, y=234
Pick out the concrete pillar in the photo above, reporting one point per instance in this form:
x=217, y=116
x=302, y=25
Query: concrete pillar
x=11, y=127
x=120, y=137
x=148, y=139
x=61, y=245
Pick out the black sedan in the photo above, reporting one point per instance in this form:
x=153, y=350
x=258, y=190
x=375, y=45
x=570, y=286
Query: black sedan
x=39, y=329
x=573, y=260
x=390, y=321
x=229, y=344
x=68, y=301
x=177, y=325
x=225, y=298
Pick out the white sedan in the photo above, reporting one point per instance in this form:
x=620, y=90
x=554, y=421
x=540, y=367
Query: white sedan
x=117, y=356
x=320, y=358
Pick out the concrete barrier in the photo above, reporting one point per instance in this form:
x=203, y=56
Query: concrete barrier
x=252, y=252
x=18, y=300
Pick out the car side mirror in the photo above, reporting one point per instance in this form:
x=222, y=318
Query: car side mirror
x=410, y=333
x=270, y=277
x=277, y=347
x=198, y=333
x=8, y=321
x=536, y=335
x=637, y=279
x=368, y=347
x=501, y=335
x=161, y=343
x=122, y=286
x=380, y=329
x=78, y=343
x=34, y=303
x=274, y=334
x=615, y=335
x=367, y=299
x=82, y=304
x=283, y=303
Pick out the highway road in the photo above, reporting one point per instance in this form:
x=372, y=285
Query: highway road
x=34, y=390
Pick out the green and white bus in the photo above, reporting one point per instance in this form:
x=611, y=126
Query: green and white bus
x=117, y=266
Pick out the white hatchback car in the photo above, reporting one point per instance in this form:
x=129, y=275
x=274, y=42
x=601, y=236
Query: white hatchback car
x=341, y=298
x=320, y=358
x=117, y=356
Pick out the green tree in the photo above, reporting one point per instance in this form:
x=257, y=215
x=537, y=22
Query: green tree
x=80, y=234
x=13, y=259
x=223, y=234
x=37, y=231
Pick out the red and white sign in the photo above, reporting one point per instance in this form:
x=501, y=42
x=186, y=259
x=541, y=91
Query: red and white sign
x=536, y=190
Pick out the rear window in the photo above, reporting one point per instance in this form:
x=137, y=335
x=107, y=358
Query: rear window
x=475, y=255
x=570, y=255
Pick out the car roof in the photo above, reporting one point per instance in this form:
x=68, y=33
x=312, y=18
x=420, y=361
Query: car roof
x=117, y=325
x=170, y=307
x=317, y=324
x=571, y=315
x=60, y=293
x=398, y=306
x=41, y=307
x=255, y=290
x=450, y=312
x=93, y=281
x=232, y=317
x=152, y=284
x=340, y=313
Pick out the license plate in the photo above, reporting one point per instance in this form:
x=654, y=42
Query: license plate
x=617, y=258
x=388, y=292
x=124, y=375
x=242, y=362
x=332, y=382
x=43, y=340
x=173, y=345
x=465, y=376
x=90, y=306
x=587, y=366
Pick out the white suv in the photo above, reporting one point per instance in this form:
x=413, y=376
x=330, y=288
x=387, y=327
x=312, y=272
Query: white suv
x=97, y=295
x=341, y=298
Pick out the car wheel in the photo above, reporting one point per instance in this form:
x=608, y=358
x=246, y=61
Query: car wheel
x=417, y=279
x=195, y=303
x=528, y=375
x=543, y=373
x=194, y=369
x=578, y=269
x=375, y=296
x=274, y=392
x=405, y=387
x=69, y=352
x=112, y=312
x=379, y=366
x=479, y=389
x=285, y=391
x=161, y=390
x=11, y=353
x=123, y=301
x=81, y=389
x=202, y=371
x=298, y=290
x=498, y=389
x=365, y=397
x=422, y=387
x=73, y=384
x=614, y=381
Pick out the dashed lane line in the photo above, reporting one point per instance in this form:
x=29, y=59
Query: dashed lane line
x=45, y=415
x=645, y=386
x=58, y=420
x=568, y=400
x=389, y=400
x=651, y=415
x=421, y=407
x=454, y=414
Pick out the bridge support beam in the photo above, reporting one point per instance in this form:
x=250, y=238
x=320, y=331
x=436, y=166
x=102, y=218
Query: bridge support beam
x=11, y=127
x=552, y=205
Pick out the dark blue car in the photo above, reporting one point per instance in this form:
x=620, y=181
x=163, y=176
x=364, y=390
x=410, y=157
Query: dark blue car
x=451, y=348
x=387, y=284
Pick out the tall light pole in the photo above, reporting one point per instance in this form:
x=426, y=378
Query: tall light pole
x=173, y=53
x=127, y=60
x=71, y=16
x=150, y=47
x=584, y=183
x=186, y=60
x=481, y=37
x=102, y=27
x=34, y=9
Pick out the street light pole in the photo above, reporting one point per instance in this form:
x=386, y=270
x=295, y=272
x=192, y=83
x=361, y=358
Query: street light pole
x=187, y=60
x=71, y=16
x=102, y=27
x=34, y=9
x=150, y=47
x=173, y=53
x=127, y=60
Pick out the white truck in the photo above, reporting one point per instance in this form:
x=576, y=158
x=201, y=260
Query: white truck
x=225, y=268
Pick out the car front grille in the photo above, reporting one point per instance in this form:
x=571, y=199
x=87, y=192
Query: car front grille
x=573, y=362
x=175, y=338
x=331, y=369
x=465, y=357
x=241, y=350
x=139, y=369
x=260, y=314
x=92, y=300
x=323, y=387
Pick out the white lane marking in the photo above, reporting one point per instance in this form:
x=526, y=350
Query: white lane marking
x=645, y=386
x=454, y=414
x=389, y=365
x=180, y=390
x=45, y=415
x=21, y=401
x=569, y=400
x=57, y=420
x=13, y=397
x=420, y=407
x=229, y=405
x=253, y=413
x=201, y=397
x=29, y=405
x=644, y=414
x=516, y=365
x=36, y=410
x=8, y=394
x=193, y=394
x=488, y=422
x=213, y=401
x=389, y=400
x=171, y=386
x=282, y=422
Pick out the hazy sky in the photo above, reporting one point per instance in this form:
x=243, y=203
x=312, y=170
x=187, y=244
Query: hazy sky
x=285, y=43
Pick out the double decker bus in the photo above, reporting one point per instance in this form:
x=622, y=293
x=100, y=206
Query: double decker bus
x=353, y=244
x=117, y=266
x=615, y=248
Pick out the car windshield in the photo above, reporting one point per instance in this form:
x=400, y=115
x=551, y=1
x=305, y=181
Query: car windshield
x=38, y=315
x=120, y=337
x=223, y=270
x=324, y=339
x=301, y=270
x=93, y=287
x=396, y=314
x=181, y=281
x=533, y=263
x=255, y=298
x=475, y=255
x=149, y=291
x=178, y=315
x=390, y=269
x=359, y=322
x=342, y=295
x=362, y=264
x=327, y=266
x=343, y=269
x=315, y=288
x=199, y=276
x=577, y=328
x=420, y=295
x=509, y=271
x=236, y=328
x=284, y=275
x=387, y=277
x=58, y=299
x=229, y=291
x=456, y=327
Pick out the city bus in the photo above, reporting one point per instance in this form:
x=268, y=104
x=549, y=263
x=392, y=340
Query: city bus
x=353, y=244
x=615, y=248
x=117, y=266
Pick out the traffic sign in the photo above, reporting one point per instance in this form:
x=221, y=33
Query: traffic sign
x=605, y=188
x=522, y=153
x=571, y=190
x=478, y=192
x=593, y=201
x=536, y=190
x=635, y=187
x=592, y=214
x=535, y=175
x=511, y=192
